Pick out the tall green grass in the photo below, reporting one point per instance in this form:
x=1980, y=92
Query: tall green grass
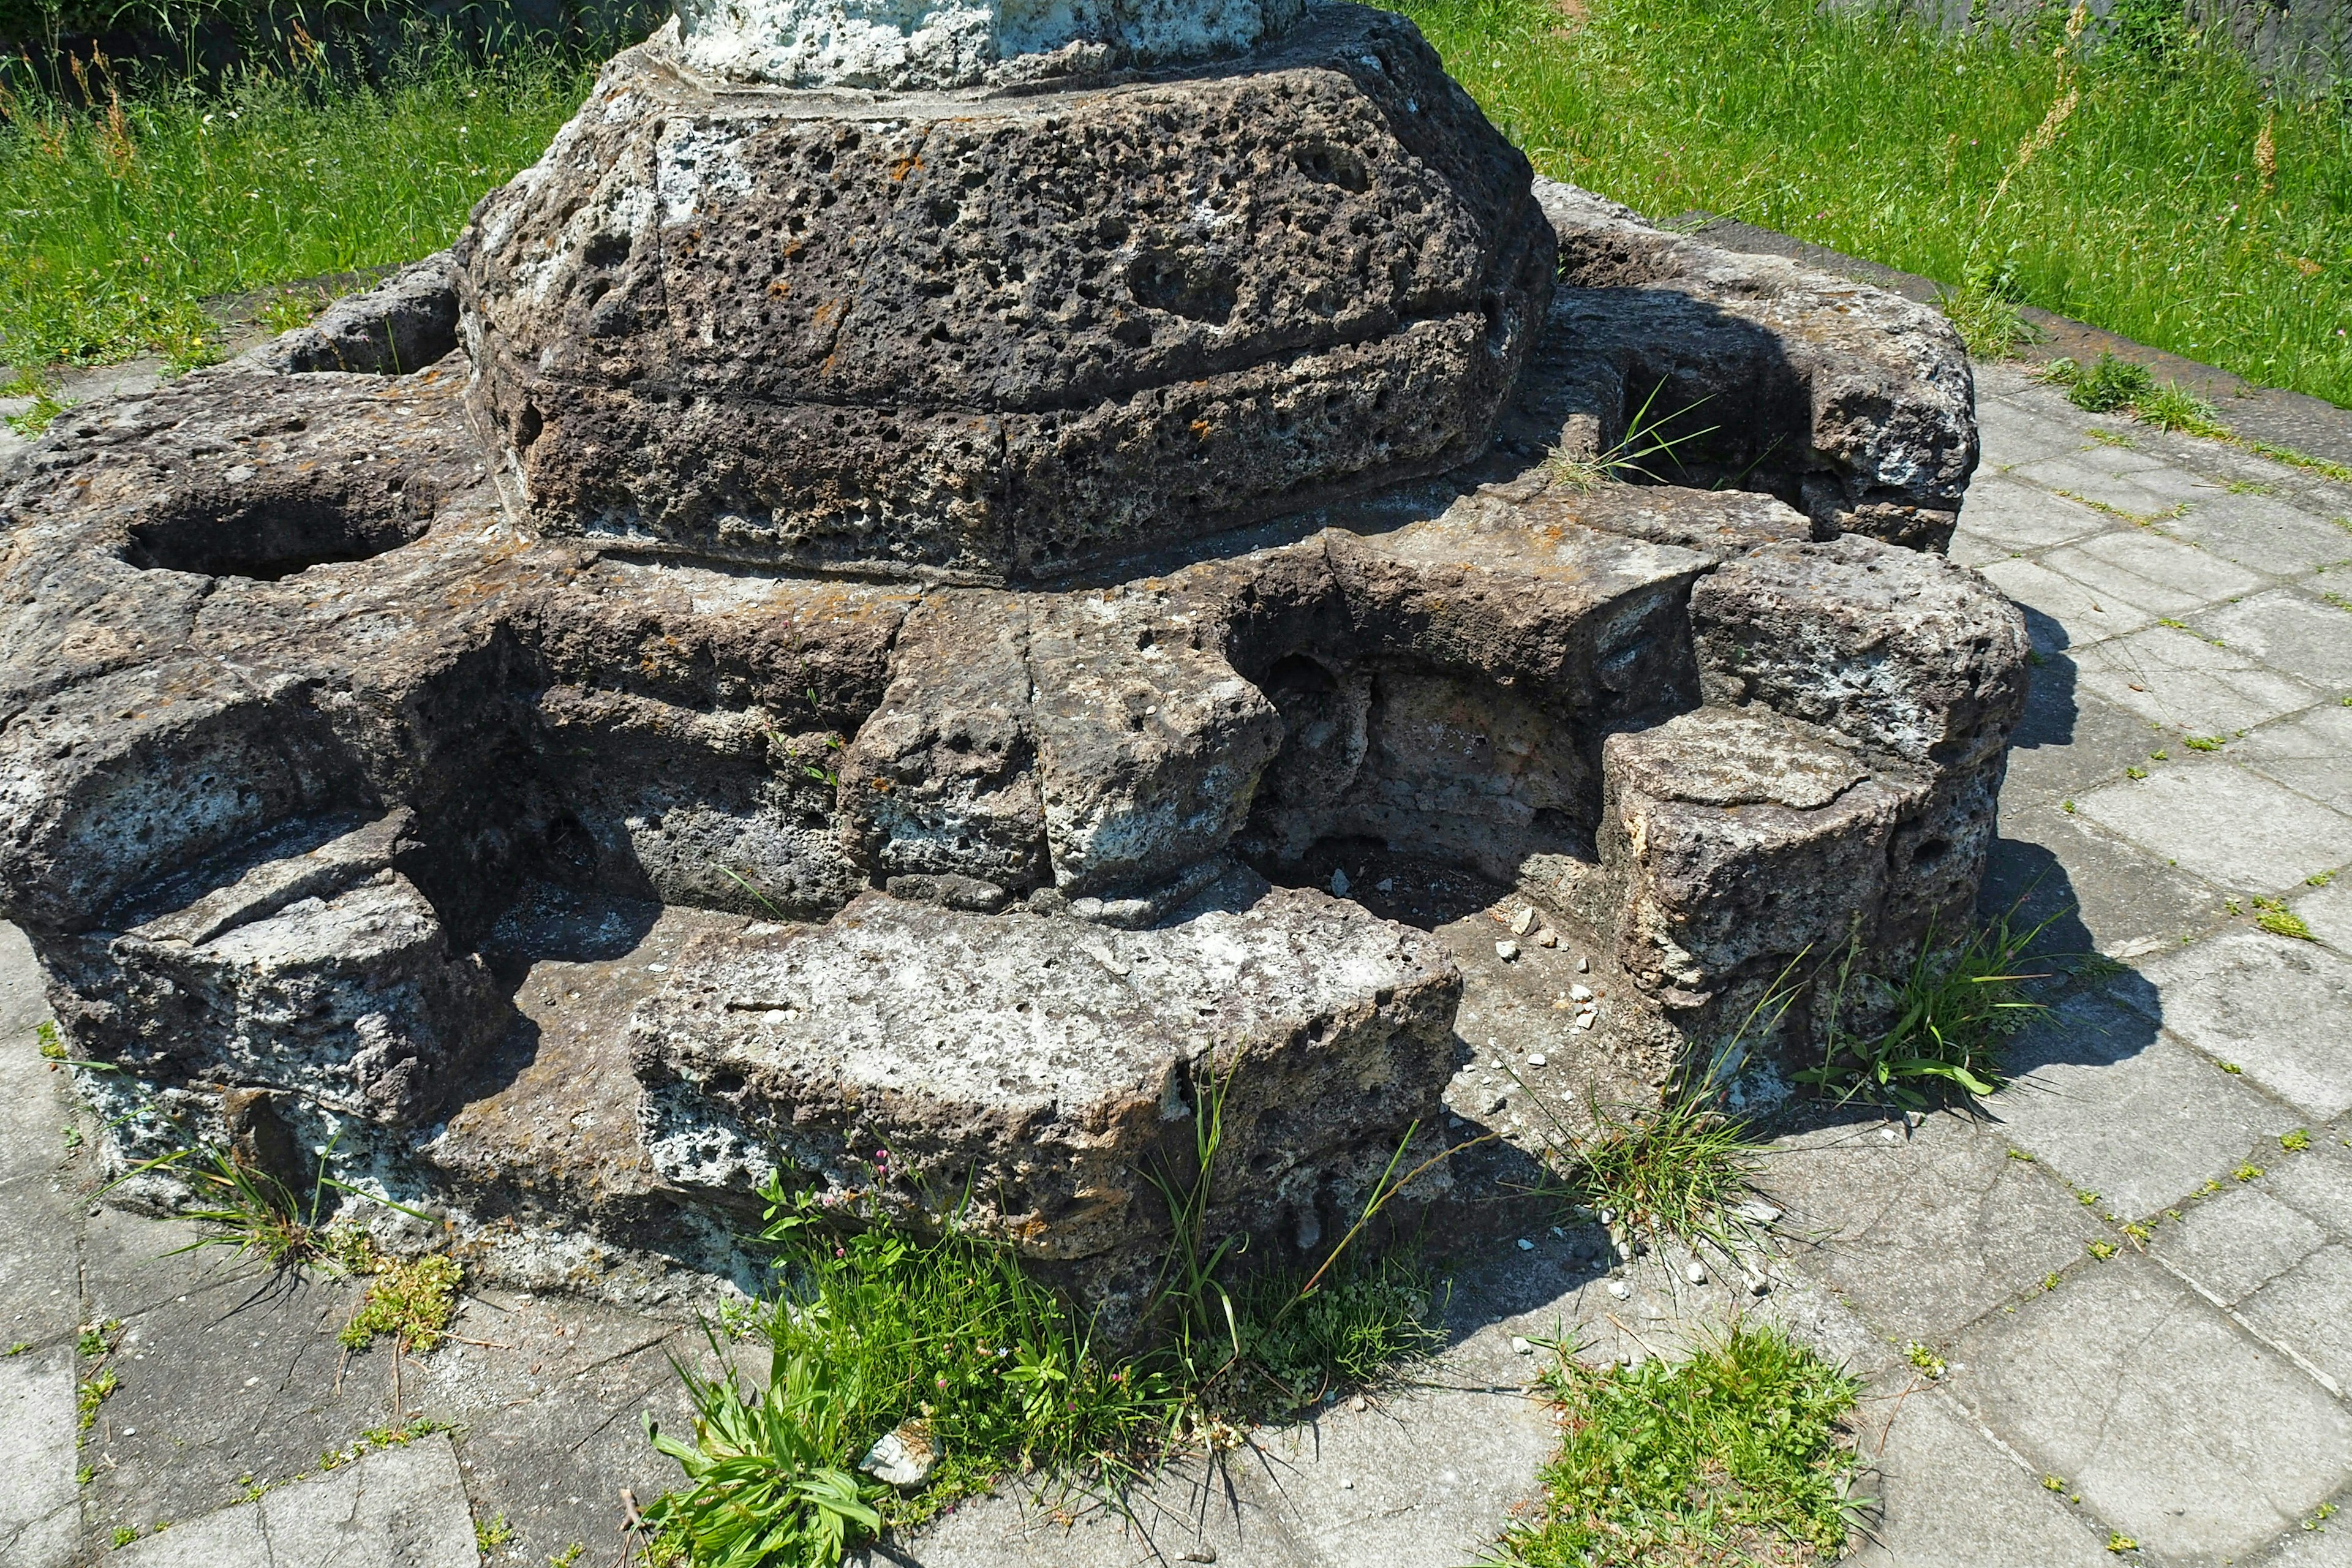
x=2155, y=209
x=116, y=221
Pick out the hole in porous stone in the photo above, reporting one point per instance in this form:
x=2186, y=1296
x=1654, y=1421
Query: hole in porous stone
x=1195, y=288
x=1329, y=165
x=265, y=538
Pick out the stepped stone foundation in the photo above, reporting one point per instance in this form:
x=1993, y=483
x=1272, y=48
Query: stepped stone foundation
x=851, y=638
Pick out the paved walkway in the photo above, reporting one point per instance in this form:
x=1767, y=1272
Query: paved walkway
x=2141, y=1297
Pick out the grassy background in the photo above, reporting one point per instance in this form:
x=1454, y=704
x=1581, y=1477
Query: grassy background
x=119, y=220
x=2151, y=211
x=2148, y=214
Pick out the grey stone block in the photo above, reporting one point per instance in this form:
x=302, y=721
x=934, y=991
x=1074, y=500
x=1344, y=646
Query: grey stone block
x=2179, y=680
x=40, y=1523
x=2310, y=753
x=2014, y=431
x=2289, y=631
x=2160, y=575
x=2064, y=613
x=2105, y=895
x=1949, y=1499
x=2318, y=1181
x=2016, y=516
x=2272, y=1004
x=2309, y=1309
x=2116, y=1108
x=2070, y=740
x=395, y=1508
x=2235, y=828
x=2263, y=534
x=2133, y=482
x=2176, y=1428
x=2230, y=1244
x=1923, y=1235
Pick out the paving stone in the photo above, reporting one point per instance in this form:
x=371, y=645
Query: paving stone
x=2099, y=893
x=1949, y=1499
x=2309, y=1309
x=2316, y=1542
x=2069, y=740
x=41, y=1514
x=2163, y=576
x=2178, y=679
x=395, y=1508
x=2010, y=515
x=2262, y=533
x=2234, y=828
x=2230, y=1244
x=2290, y=631
x=2062, y=613
x=2310, y=753
x=2318, y=1180
x=2132, y=481
x=40, y=1293
x=2115, y=1108
x=2275, y=1006
x=1971, y=551
x=2327, y=911
x=2012, y=431
x=1924, y=1234
x=2176, y=1428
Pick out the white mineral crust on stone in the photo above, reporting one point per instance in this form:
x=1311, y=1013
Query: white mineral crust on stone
x=900, y=44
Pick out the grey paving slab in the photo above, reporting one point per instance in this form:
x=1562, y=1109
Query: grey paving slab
x=2174, y=1425
x=2008, y=515
x=2327, y=911
x=2099, y=893
x=2160, y=574
x=2178, y=679
x=2260, y=532
x=2013, y=432
x=395, y=1508
x=2316, y=1543
x=40, y=1283
x=2308, y=1309
x=2235, y=828
x=1970, y=550
x=2318, y=1180
x=1949, y=1498
x=2062, y=613
x=2115, y=1108
x=2275, y=1006
x=2288, y=630
x=1923, y=1234
x=2310, y=753
x=2070, y=740
x=40, y=1513
x=2233, y=1243
x=2121, y=477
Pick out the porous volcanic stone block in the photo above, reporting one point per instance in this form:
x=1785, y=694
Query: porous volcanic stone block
x=1041, y=1072
x=1000, y=334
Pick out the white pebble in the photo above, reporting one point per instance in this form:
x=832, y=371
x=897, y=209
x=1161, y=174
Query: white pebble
x=1526, y=1246
x=1759, y=1286
x=1618, y=1288
x=1386, y=884
x=1584, y=966
x=1582, y=1021
x=1580, y=992
x=1695, y=1272
x=1347, y=1486
x=1521, y=1347
x=1547, y=937
x=1506, y=950
x=1358, y=1404
x=1889, y=1134
x=1535, y=1058
x=1524, y=921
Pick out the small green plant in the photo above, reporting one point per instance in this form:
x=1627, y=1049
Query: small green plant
x=1987, y=318
x=2053, y=1484
x=1745, y=1446
x=52, y=1048
x=2135, y=773
x=289, y=309
x=1925, y=1359
x=409, y=1303
x=2320, y=1516
x=2319, y=878
x=125, y=1534
x=492, y=1534
x=2101, y=1248
x=2049, y=1282
x=2105, y=387
x=2279, y=920
x=20, y=1347
x=93, y=1392
x=252, y=1211
x=45, y=403
x=568, y=1556
x=2204, y=742
x=2232, y=1068
x=1952, y=1014
x=2247, y=1172
x=2089, y=1200
x=2173, y=407
x=98, y=1339
x=2118, y=1542
x=2295, y=1142
x=1628, y=461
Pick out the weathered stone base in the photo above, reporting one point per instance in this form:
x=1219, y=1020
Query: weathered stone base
x=567, y=893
